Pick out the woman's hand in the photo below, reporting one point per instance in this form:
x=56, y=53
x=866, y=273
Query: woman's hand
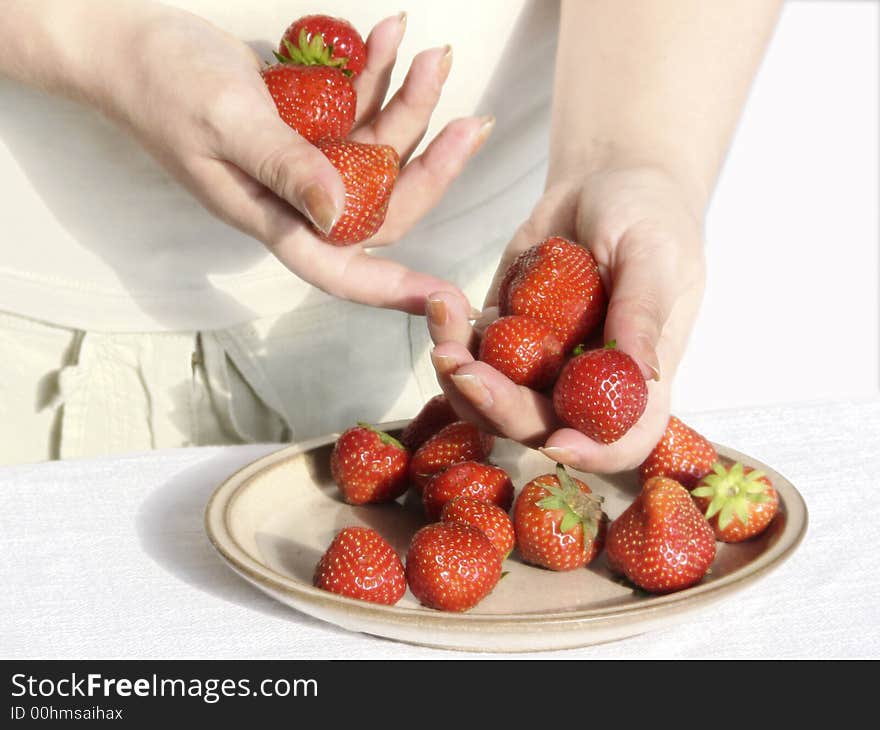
x=192, y=94
x=646, y=236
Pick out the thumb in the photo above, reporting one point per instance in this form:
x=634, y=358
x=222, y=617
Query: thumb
x=277, y=157
x=640, y=303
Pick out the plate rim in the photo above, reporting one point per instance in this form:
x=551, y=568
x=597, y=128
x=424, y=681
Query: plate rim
x=224, y=496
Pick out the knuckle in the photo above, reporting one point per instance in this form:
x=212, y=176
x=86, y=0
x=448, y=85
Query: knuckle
x=644, y=311
x=281, y=171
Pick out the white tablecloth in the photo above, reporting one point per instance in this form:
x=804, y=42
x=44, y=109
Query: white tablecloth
x=108, y=558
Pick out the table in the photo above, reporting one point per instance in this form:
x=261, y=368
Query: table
x=107, y=558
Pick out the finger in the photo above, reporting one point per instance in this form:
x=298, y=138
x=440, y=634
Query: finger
x=372, y=83
x=449, y=319
x=277, y=157
x=424, y=181
x=643, y=292
x=578, y=451
x=239, y=200
x=484, y=396
x=404, y=120
x=351, y=273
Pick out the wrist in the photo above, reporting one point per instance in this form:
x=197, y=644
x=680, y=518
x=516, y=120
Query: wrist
x=611, y=157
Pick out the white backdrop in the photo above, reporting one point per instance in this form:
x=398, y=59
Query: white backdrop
x=791, y=306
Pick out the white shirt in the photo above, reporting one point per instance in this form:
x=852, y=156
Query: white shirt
x=96, y=235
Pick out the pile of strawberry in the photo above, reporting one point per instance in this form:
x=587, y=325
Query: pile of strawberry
x=552, y=302
x=664, y=541
x=311, y=85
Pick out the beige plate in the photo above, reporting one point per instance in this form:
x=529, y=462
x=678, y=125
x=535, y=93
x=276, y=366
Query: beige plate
x=273, y=519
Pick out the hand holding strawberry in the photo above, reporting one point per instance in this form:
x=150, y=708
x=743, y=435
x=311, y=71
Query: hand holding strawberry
x=212, y=123
x=642, y=226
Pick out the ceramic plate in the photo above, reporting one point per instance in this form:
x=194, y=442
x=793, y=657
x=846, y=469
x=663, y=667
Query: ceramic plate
x=272, y=521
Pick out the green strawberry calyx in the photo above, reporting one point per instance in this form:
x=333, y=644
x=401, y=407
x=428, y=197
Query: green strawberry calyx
x=385, y=438
x=731, y=491
x=312, y=52
x=578, y=508
x=581, y=349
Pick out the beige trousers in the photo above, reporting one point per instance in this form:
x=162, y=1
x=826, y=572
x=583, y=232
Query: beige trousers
x=67, y=393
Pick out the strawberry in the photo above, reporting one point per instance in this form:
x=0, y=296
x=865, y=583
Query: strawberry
x=489, y=518
x=459, y=441
x=681, y=454
x=435, y=414
x=451, y=566
x=360, y=564
x=739, y=502
x=482, y=481
x=317, y=101
x=559, y=523
x=601, y=393
x=661, y=542
x=320, y=39
x=368, y=172
x=522, y=348
x=556, y=282
x=369, y=465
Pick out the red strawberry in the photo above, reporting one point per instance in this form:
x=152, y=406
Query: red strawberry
x=556, y=282
x=451, y=566
x=482, y=481
x=320, y=39
x=681, y=454
x=459, y=441
x=360, y=564
x=559, y=523
x=435, y=414
x=489, y=518
x=661, y=542
x=369, y=465
x=601, y=393
x=739, y=502
x=316, y=101
x=525, y=350
x=368, y=172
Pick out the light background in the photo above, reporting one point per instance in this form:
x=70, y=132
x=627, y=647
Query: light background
x=791, y=306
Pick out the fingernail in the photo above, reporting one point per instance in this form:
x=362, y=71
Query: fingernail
x=649, y=358
x=445, y=64
x=443, y=364
x=487, y=124
x=472, y=387
x=558, y=454
x=475, y=313
x=401, y=20
x=435, y=309
x=319, y=207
